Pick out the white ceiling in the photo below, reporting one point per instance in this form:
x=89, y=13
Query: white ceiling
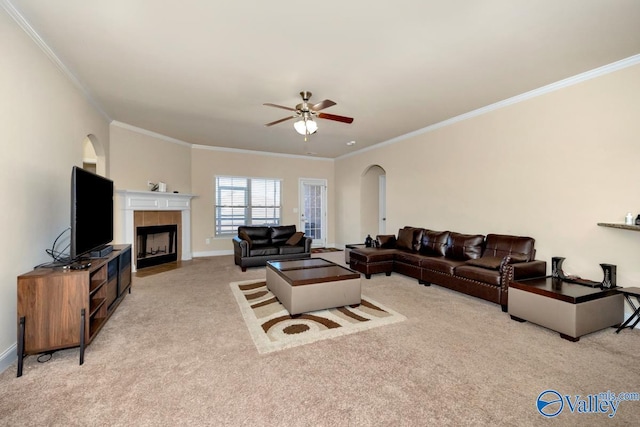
x=200, y=70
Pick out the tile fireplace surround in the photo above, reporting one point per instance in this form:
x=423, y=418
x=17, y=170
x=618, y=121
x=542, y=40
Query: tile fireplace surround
x=131, y=202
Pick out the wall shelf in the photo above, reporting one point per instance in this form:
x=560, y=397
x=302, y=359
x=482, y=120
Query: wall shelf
x=620, y=226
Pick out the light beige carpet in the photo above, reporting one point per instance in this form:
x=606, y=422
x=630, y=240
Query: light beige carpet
x=272, y=328
x=177, y=353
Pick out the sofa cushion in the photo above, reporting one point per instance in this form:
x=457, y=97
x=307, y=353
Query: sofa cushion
x=259, y=235
x=490, y=262
x=417, y=237
x=464, y=246
x=440, y=264
x=434, y=242
x=409, y=238
x=280, y=234
x=295, y=238
x=479, y=274
x=288, y=249
x=500, y=245
x=405, y=239
x=408, y=258
x=265, y=250
x=386, y=240
x=368, y=255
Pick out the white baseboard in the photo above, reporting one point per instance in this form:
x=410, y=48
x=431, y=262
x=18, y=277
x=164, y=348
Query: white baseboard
x=212, y=253
x=9, y=356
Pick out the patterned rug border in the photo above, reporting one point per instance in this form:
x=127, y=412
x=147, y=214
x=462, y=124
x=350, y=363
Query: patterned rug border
x=265, y=345
x=324, y=250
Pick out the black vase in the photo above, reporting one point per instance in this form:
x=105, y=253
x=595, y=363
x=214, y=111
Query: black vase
x=368, y=242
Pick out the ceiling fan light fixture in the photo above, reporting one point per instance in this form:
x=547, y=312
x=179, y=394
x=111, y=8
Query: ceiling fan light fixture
x=305, y=126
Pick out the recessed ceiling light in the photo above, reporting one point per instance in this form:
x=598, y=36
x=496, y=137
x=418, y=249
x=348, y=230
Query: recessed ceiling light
x=350, y=143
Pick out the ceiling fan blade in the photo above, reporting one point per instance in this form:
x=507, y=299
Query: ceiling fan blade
x=322, y=105
x=279, y=121
x=268, y=104
x=342, y=119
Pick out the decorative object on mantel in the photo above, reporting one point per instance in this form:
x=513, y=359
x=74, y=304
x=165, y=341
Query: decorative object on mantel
x=160, y=187
x=628, y=219
x=608, y=281
x=638, y=220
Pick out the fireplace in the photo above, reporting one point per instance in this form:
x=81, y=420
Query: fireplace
x=156, y=244
x=149, y=208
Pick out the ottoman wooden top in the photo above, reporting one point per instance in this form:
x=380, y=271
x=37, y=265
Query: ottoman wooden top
x=311, y=270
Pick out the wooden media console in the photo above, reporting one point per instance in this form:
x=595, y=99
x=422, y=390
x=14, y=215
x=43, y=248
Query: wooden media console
x=63, y=308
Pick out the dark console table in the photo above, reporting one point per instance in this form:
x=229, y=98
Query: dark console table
x=628, y=293
x=572, y=310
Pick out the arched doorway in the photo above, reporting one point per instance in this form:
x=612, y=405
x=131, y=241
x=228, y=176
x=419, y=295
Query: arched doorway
x=373, y=201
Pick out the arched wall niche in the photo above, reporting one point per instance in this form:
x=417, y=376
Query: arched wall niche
x=93, y=155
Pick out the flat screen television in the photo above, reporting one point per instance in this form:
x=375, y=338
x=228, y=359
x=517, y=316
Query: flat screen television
x=91, y=212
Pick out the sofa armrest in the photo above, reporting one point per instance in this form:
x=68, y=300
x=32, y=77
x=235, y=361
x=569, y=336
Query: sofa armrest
x=307, y=244
x=529, y=269
x=240, y=247
x=520, y=270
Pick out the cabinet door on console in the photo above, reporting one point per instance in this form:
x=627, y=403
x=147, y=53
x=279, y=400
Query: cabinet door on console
x=50, y=303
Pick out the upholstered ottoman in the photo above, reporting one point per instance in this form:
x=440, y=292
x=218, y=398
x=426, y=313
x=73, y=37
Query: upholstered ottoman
x=312, y=284
x=370, y=261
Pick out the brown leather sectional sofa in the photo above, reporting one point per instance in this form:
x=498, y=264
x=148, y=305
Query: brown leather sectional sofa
x=478, y=265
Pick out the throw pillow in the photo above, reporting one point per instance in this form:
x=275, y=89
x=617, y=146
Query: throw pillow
x=294, y=239
x=464, y=246
x=434, y=242
x=405, y=239
x=244, y=236
x=386, y=240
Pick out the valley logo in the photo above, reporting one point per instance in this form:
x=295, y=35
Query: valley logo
x=551, y=403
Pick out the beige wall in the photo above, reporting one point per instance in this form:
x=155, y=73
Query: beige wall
x=207, y=163
x=550, y=167
x=138, y=156
x=43, y=122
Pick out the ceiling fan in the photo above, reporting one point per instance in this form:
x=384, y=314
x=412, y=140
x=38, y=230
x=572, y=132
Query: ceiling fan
x=306, y=112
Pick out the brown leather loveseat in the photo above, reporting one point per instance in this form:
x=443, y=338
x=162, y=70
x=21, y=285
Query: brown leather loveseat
x=478, y=265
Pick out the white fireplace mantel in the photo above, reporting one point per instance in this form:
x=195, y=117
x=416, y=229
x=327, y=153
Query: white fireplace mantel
x=133, y=200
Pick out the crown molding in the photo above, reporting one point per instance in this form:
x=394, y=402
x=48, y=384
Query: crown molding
x=260, y=153
x=561, y=84
x=208, y=147
x=42, y=44
x=150, y=133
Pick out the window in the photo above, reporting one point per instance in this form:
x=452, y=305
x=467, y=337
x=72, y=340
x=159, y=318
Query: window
x=245, y=201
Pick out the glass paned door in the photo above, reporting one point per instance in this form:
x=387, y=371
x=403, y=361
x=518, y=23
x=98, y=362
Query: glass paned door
x=313, y=200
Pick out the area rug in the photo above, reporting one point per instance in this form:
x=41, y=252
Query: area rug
x=272, y=328
x=323, y=250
